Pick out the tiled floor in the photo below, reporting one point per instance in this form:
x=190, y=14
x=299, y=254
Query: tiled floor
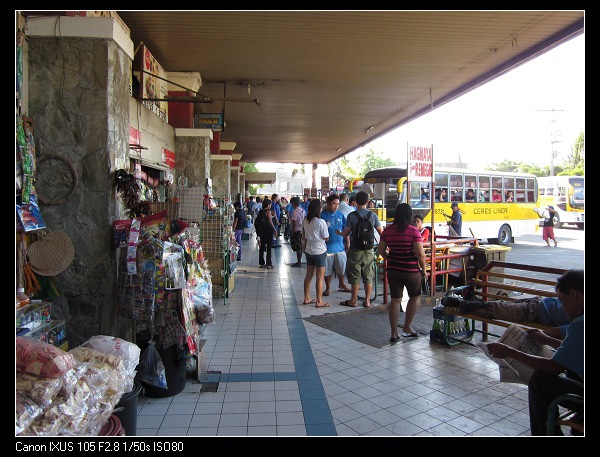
x=283, y=376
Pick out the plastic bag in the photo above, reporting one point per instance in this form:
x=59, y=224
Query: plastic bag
x=151, y=369
x=425, y=290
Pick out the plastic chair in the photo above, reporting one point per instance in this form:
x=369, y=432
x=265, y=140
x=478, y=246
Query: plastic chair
x=568, y=417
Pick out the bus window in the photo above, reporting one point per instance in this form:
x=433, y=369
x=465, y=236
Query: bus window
x=509, y=186
x=484, y=188
x=471, y=182
x=456, y=187
x=496, y=189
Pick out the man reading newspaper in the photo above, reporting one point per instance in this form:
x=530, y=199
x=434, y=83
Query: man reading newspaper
x=562, y=372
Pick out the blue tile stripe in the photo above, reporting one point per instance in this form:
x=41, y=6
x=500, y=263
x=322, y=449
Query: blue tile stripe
x=317, y=415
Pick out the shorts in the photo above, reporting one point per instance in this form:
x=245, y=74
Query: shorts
x=398, y=280
x=316, y=260
x=336, y=261
x=548, y=233
x=296, y=241
x=360, y=265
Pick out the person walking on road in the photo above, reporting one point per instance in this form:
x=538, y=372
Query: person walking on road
x=548, y=229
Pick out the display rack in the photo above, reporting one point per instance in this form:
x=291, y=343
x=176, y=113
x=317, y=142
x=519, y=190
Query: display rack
x=218, y=244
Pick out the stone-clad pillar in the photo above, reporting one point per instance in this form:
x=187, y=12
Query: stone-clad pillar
x=221, y=178
x=79, y=78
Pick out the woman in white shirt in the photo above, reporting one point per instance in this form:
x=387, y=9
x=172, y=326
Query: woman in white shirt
x=314, y=238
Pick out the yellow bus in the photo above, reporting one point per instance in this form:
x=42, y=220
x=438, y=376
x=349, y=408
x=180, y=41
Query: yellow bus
x=567, y=195
x=495, y=205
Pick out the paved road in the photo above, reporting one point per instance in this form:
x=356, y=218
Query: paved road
x=529, y=249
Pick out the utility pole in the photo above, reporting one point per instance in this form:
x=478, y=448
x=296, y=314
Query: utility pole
x=553, y=141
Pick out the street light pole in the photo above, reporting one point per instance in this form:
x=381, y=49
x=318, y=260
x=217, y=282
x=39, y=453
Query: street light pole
x=554, y=140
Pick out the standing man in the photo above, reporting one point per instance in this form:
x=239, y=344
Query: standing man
x=296, y=221
x=344, y=207
x=336, y=245
x=360, y=262
x=289, y=209
x=306, y=203
x=239, y=222
x=548, y=229
x=352, y=203
x=455, y=222
x=276, y=208
x=257, y=207
x=563, y=373
x=250, y=206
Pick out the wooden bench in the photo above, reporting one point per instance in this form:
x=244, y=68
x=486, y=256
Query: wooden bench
x=497, y=281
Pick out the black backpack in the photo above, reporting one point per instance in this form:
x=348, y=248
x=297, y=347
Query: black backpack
x=364, y=238
x=261, y=224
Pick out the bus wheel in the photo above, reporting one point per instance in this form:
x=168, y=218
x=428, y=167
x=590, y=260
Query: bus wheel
x=504, y=235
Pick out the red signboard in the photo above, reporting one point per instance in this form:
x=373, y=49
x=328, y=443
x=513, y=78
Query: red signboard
x=168, y=158
x=135, y=138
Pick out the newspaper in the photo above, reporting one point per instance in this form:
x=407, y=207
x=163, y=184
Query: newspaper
x=511, y=370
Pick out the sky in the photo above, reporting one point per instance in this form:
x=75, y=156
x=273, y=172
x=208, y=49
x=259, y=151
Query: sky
x=508, y=118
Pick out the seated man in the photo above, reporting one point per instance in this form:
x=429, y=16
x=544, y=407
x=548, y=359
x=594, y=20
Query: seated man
x=563, y=372
x=422, y=203
x=547, y=311
x=470, y=197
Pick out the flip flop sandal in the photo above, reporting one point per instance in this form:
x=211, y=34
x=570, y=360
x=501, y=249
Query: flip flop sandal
x=325, y=305
x=365, y=305
x=325, y=294
x=347, y=303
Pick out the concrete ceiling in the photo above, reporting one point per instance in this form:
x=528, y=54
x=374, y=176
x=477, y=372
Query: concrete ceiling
x=312, y=86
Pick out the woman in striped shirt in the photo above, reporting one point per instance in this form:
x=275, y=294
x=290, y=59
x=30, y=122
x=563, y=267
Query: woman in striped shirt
x=402, y=246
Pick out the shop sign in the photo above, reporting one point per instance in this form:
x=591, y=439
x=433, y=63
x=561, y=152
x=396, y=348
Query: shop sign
x=211, y=121
x=168, y=158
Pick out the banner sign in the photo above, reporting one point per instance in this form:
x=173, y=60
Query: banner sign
x=420, y=163
x=153, y=87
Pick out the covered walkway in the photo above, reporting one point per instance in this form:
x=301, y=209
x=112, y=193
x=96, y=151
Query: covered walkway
x=270, y=372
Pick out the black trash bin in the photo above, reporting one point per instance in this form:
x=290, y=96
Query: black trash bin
x=126, y=410
x=175, y=371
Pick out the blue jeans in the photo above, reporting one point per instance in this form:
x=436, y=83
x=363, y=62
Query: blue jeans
x=238, y=240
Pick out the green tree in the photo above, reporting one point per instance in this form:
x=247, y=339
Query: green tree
x=373, y=160
x=575, y=163
x=299, y=169
x=253, y=189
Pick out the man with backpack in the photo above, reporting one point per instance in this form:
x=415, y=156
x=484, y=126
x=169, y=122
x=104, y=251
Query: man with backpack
x=362, y=223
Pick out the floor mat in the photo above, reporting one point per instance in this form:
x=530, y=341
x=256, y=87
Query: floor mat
x=367, y=325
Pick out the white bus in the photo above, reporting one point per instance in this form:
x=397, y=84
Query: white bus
x=567, y=195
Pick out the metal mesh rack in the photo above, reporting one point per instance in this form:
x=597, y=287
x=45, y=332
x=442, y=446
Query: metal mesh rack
x=218, y=243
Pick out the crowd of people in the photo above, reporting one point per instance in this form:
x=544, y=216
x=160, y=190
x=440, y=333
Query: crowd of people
x=325, y=233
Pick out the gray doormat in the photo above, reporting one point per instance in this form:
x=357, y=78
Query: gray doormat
x=370, y=325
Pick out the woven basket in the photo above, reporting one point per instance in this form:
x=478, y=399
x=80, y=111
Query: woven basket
x=51, y=255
